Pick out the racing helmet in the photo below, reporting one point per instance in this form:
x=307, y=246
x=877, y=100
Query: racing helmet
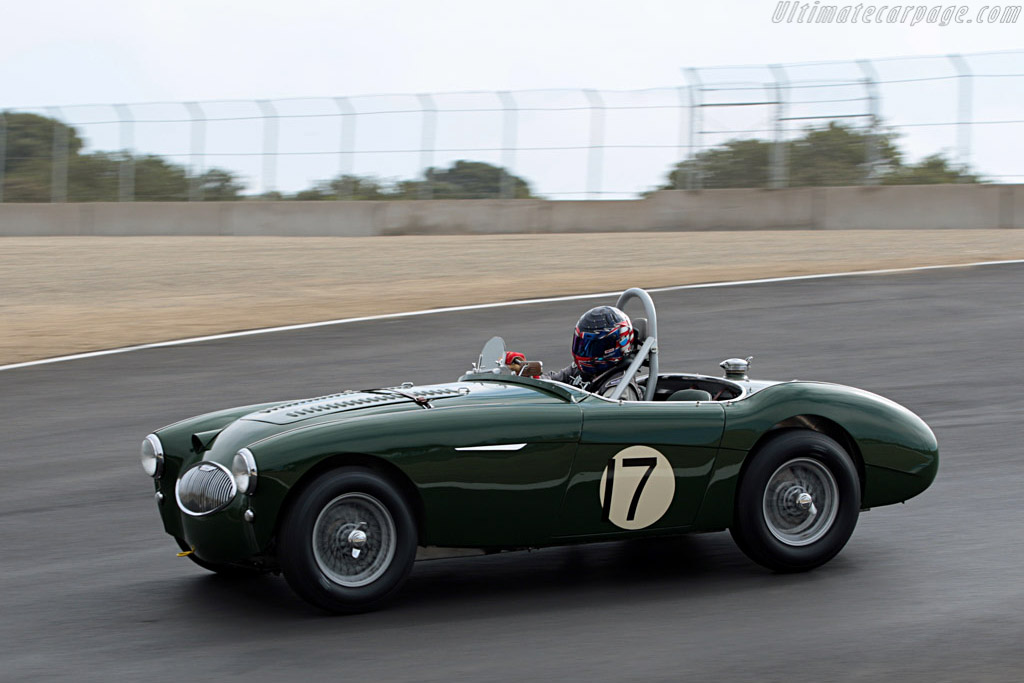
x=603, y=338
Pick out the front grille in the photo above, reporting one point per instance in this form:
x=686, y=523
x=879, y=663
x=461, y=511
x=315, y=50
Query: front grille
x=204, y=488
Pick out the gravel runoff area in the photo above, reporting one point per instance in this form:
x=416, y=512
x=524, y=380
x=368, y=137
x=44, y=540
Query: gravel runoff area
x=63, y=295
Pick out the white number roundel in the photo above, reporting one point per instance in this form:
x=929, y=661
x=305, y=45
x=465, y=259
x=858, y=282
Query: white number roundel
x=637, y=487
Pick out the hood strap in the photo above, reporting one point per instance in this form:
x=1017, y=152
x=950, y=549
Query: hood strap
x=421, y=401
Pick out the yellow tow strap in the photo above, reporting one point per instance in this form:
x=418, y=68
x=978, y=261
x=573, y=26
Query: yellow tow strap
x=187, y=552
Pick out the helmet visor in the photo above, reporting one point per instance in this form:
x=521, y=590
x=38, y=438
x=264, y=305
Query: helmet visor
x=601, y=345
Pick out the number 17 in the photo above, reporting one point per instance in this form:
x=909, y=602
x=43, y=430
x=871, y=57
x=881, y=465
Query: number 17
x=649, y=463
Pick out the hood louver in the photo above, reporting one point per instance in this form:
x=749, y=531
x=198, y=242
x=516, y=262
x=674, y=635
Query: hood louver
x=350, y=400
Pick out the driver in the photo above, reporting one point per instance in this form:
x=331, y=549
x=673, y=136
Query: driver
x=601, y=344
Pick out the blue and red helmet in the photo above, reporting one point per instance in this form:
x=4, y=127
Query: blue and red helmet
x=603, y=339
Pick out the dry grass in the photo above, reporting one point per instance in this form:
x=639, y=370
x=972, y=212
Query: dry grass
x=61, y=295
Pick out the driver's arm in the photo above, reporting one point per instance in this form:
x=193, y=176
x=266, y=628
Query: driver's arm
x=564, y=375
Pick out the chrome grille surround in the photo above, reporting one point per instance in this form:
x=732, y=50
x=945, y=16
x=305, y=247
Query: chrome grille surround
x=205, y=488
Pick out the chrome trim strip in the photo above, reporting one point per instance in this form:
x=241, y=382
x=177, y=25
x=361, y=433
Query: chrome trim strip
x=495, y=447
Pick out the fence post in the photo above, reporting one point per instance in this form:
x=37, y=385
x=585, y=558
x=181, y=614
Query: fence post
x=198, y=142
x=269, y=114
x=596, y=155
x=778, y=163
x=694, y=178
x=59, y=159
x=3, y=151
x=347, y=142
x=964, y=86
x=509, y=135
x=429, y=110
x=126, y=169
x=675, y=174
x=871, y=176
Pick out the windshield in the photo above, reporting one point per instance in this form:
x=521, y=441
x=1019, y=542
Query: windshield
x=492, y=356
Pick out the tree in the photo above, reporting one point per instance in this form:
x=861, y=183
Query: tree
x=96, y=177
x=28, y=171
x=838, y=155
x=462, y=180
x=465, y=180
x=30, y=139
x=931, y=170
x=218, y=185
x=737, y=163
x=157, y=180
x=345, y=187
x=834, y=155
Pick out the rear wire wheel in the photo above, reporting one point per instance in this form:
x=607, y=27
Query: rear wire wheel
x=797, y=503
x=348, y=543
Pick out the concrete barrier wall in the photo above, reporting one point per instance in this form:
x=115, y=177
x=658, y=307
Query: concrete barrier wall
x=913, y=207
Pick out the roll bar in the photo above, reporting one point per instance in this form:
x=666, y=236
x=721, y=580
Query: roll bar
x=648, y=350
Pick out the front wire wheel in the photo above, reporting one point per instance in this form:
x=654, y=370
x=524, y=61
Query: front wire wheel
x=354, y=540
x=797, y=502
x=348, y=542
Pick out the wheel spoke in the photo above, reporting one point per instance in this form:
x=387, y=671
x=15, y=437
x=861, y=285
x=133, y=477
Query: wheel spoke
x=800, y=502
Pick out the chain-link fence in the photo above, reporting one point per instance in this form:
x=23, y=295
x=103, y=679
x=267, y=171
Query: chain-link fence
x=565, y=143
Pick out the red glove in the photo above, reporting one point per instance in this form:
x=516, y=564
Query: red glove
x=515, y=360
x=513, y=356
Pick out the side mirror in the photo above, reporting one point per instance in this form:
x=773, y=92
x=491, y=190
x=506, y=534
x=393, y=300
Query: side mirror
x=531, y=368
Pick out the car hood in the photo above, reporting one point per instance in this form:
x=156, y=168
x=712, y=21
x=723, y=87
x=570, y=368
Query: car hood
x=221, y=445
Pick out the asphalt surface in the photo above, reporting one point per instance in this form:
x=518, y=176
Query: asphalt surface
x=90, y=588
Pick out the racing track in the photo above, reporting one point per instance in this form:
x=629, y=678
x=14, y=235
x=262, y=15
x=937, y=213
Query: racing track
x=90, y=588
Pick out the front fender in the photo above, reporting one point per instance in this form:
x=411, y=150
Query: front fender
x=516, y=485
x=176, y=439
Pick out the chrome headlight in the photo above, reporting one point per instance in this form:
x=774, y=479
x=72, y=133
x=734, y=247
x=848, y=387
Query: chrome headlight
x=152, y=456
x=243, y=469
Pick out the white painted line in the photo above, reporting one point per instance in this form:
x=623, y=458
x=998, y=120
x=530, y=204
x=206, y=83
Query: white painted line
x=500, y=304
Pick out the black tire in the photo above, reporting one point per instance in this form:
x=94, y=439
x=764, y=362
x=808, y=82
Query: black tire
x=226, y=570
x=316, y=547
x=777, y=529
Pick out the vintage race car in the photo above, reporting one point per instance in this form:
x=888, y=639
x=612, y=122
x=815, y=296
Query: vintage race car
x=340, y=492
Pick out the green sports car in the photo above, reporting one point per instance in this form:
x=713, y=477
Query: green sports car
x=341, y=492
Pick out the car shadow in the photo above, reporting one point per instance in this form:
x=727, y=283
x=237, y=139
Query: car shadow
x=571, y=573
x=627, y=572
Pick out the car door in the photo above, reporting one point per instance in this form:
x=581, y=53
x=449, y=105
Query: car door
x=495, y=475
x=640, y=466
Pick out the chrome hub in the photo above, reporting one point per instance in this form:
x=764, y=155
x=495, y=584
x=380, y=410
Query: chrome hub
x=357, y=539
x=801, y=501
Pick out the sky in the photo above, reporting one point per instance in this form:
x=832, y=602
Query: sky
x=71, y=52
x=108, y=51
